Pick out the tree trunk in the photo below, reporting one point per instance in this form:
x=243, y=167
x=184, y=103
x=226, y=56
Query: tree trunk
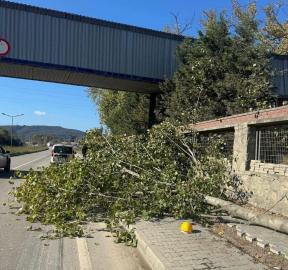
x=252, y=217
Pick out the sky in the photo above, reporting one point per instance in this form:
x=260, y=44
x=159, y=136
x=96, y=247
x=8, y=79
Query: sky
x=68, y=106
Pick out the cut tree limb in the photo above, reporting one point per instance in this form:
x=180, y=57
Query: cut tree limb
x=225, y=218
x=269, y=221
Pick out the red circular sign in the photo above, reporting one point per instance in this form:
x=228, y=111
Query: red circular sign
x=4, y=47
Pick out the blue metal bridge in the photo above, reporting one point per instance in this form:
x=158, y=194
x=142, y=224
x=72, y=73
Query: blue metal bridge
x=53, y=46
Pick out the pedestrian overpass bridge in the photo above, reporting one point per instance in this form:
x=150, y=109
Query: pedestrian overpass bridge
x=53, y=46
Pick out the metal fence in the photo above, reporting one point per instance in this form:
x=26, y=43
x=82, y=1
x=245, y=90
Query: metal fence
x=272, y=144
x=226, y=136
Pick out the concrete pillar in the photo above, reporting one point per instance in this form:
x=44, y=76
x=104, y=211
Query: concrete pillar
x=240, y=147
x=244, y=147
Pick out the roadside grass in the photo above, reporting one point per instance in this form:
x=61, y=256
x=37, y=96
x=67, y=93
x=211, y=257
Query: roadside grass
x=21, y=150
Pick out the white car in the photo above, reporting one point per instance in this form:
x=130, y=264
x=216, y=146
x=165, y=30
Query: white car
x=62, y=153
x=5, y=160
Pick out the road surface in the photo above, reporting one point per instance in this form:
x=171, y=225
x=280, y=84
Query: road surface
x=22, y=250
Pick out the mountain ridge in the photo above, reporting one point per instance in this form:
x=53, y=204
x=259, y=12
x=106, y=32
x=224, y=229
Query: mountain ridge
x=25, y=133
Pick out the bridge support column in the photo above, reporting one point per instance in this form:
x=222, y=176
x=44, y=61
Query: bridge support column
x=152, y=107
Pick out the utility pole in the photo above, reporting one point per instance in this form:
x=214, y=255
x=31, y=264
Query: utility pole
x=12, y=116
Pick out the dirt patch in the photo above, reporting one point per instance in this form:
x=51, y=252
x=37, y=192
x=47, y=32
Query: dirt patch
x=263, y=255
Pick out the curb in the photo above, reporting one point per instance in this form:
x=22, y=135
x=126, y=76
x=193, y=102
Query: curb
x=241, y=232
x=152, y=255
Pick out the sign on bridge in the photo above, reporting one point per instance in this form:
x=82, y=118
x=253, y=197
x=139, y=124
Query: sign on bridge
x=4, y=47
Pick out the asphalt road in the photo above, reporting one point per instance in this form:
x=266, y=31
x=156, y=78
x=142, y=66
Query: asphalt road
x=22, y=250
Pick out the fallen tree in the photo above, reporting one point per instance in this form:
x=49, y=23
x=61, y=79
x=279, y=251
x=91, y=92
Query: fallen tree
x=124, y=178
x=253, y=217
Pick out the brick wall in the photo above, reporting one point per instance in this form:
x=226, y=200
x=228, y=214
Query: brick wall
x=269, y=168
x=262, y=116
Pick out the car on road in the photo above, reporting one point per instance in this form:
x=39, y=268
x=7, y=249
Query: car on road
x=62, y=153
x=5, y=160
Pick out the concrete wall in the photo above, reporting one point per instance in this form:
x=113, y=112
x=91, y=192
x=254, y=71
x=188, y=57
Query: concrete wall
x=266, y=184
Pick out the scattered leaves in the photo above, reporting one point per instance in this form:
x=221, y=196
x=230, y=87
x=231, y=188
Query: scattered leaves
x=221, y=232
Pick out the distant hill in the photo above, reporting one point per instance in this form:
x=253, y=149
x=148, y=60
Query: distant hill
x=26, y=132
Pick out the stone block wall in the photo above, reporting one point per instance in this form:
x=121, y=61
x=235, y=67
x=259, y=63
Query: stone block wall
x=267, y=190
x=265, y=183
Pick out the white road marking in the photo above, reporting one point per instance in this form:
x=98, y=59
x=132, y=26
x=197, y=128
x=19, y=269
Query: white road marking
x=84, y=258
x=29, y=162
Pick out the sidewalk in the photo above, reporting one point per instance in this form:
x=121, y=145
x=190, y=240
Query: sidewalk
x=164, y=246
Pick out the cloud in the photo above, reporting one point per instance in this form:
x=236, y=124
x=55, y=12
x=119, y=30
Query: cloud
x=40, y=113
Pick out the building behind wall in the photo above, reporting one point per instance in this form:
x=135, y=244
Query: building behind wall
x=280, y=63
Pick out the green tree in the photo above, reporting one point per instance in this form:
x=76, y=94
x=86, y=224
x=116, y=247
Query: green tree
x=53, y=139
x=5, y=138
x=121, y=112
x=275, y=31
x=42, y=139
x=225, y=71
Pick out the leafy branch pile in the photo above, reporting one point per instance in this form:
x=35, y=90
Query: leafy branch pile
x=124, y=178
